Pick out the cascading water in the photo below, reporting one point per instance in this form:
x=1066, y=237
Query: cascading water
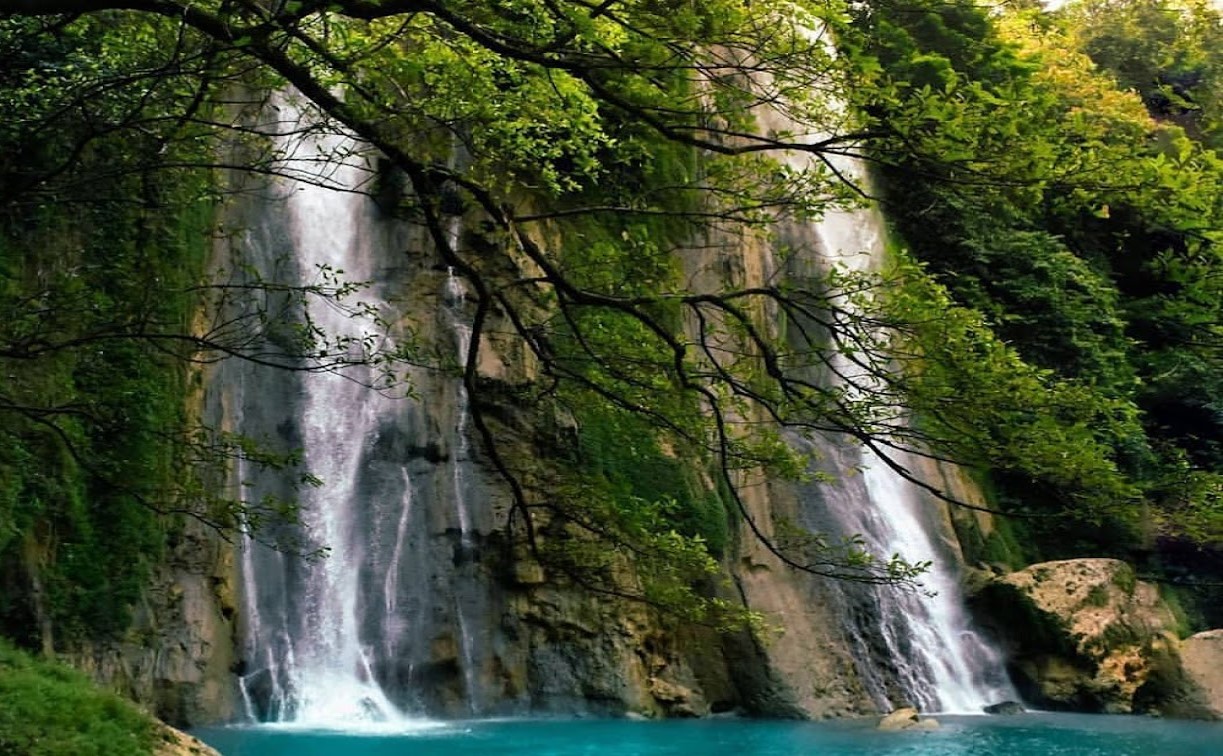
x=931, y=653
x=318, y=665
x=913, y=646
x=935, y=658
x=950, y=667
x=395, y=617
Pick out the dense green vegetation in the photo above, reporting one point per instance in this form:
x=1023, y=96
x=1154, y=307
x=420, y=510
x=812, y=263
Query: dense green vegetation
x=108, y=223
x=51, y=710
x=1051, y=317
x=1083, y=227
x=96, y=248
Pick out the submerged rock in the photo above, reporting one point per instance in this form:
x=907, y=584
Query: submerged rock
x=906, y=718
x=1005, y=708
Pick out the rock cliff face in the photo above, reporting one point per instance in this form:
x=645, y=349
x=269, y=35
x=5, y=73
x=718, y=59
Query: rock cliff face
x=178, y=658
x=475, y=614
x=805, y=663
x=558, y=648
x=1083, y=634
x=460, y=622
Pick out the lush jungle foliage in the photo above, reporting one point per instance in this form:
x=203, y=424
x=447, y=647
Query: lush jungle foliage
x=1051, y=317
x=94, y=247
x=1076, y=207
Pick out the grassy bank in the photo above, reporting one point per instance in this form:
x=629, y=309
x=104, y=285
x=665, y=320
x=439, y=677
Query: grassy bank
x=47, y=709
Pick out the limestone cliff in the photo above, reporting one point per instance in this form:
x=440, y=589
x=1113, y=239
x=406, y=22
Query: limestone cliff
x=455, y=617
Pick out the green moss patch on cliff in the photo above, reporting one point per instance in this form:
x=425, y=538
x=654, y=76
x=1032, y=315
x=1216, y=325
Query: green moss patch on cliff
x=93, y=421
x=624, y=451
x=102, y=246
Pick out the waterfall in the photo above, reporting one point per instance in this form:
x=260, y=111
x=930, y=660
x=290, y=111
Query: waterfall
x=395, y=618
x=950, y=667
x=320, y=666
x=456, y=295
x=937, y=660
x=398, y=618
x=913, y=646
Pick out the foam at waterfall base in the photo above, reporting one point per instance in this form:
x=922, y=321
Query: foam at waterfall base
x=398, y=728
x=341, y=704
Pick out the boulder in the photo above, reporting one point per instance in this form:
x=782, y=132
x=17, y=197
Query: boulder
x=1202, y=663
x=1082, y=634
x=906, y=718
x=1188, y=682
x=1005, y=708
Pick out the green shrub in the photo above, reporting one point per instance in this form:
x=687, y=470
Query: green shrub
x=47, y=709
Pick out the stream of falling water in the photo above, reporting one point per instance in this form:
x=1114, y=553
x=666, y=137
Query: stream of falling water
x=939, y=660
x=456, y=296
x=356, y=639
x=307, y=661
x=918, y=641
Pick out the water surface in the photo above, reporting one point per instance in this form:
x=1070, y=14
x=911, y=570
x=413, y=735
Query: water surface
x=1024, y=735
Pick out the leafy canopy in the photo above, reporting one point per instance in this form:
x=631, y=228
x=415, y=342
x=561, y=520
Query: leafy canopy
x=595, y=152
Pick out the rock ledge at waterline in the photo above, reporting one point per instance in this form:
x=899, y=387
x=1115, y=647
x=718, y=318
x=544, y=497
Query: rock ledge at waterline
x=174, y=742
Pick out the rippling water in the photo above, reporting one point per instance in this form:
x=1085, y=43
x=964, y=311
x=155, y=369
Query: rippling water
x=1025, y=735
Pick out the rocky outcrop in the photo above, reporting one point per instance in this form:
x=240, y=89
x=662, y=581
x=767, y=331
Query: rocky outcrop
x=1188, y=679
x=172, y=742
x=1202, y=664
x=1082, y=634
x=1005, y=708
x=566, y=652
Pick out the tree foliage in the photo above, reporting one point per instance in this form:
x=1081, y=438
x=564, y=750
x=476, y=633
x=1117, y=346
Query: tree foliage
x=1166, y=51
x=590, y=148
x=1093, y=251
